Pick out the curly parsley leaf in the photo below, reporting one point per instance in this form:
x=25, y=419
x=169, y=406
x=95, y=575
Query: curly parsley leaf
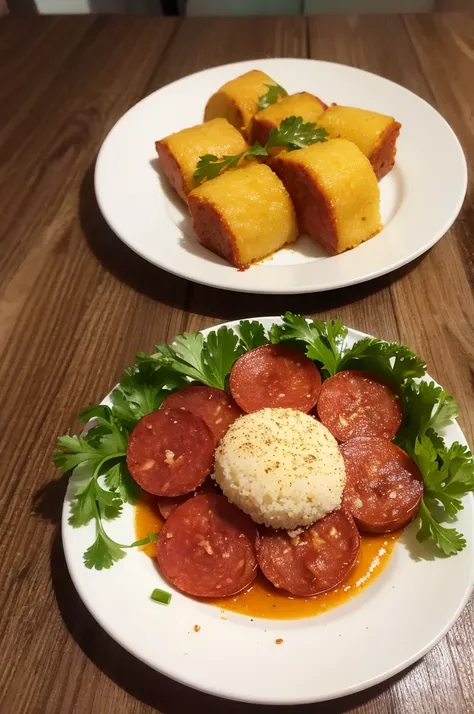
x=210, y=166
x=293, y=133
x=322, y=342
x=206, y=360
x=274, y=94
x=251, y=334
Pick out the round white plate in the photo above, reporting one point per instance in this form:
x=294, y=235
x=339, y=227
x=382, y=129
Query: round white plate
x=391, y=624
x=420, y=197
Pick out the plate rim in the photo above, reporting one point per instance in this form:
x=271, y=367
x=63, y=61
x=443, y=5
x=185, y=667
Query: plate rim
x=289, y=700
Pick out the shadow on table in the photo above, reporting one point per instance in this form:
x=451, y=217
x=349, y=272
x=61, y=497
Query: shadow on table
x=136, y=678
x=121, y=261
x=157, y=284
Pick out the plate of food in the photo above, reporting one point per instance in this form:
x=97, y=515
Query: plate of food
x=282, y=491
x=281, y=176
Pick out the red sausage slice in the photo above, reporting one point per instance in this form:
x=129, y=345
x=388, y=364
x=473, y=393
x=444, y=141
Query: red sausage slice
x=384, y=486
x=170, y=452
x=316, y=561
x=275, y=376
x=213, y=405
x=168, y=505
x=355, y=403
x=207, y=548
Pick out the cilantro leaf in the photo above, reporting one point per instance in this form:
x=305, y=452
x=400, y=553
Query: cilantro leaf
x=321, y=341
x=118, y=479
x=448, y=473
x=252, y=334
x=74, y=450
x=208, y=361
x=293, y=133
x=210, y=166
x=103, y=553
x=221, y=349
x=275, y=92
x=448, y=540
x=83, y=506
x=393, y=362
x=142, y=390
x=425, y=407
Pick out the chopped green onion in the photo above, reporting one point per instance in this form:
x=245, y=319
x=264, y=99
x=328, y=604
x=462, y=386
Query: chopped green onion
x=161, y=596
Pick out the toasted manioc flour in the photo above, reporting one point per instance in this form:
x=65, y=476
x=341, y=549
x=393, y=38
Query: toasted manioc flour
x=282, y=467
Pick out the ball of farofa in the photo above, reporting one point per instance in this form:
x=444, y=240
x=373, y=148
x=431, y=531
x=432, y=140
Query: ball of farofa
x=282, y=467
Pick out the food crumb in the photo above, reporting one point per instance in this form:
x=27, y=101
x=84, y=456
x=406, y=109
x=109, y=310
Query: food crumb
x=223, y=618
x=279, y=641
x=197, y=628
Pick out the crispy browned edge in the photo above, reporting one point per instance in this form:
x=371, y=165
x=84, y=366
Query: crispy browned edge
x=383, y=156
x=313, y=212
x=171, y=168
x=213, y=231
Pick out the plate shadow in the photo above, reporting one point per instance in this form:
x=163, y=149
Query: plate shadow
x=157, y=284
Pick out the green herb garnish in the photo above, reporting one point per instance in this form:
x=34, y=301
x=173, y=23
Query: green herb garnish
x=292, y=134
x=275, y=91
x=322, y=342
x=210, y=166
x=162, y=596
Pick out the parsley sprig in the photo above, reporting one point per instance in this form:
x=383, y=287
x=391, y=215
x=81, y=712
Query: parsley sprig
x=209, y=166
x=275, y=91
x=448, y=473
x=204, y=360
x=97, y=459
x=293, y=133
x=322, y=342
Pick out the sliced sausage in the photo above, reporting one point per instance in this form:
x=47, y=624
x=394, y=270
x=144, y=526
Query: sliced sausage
x=356, y=403
x=311, y=563
x=170, y=452
x=275, y=376
x=383, y=484
x=213, y=405
x=167, y=505
x=207, y=548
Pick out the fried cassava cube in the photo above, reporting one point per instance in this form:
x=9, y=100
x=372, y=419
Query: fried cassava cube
x=243, y=215
x=237, y=100
x=375, y=134
x=335, y=193
x=179, y=153
x=303, y=104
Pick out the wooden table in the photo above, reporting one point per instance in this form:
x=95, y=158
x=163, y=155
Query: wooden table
x=76, y=305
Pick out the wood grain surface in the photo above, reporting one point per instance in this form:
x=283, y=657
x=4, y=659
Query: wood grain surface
x=76, y=305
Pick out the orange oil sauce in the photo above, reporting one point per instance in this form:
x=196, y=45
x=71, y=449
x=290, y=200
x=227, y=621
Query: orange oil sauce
x=261, y=599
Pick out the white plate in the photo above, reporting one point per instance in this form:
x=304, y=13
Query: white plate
x=420, y=197
x=391, y=624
